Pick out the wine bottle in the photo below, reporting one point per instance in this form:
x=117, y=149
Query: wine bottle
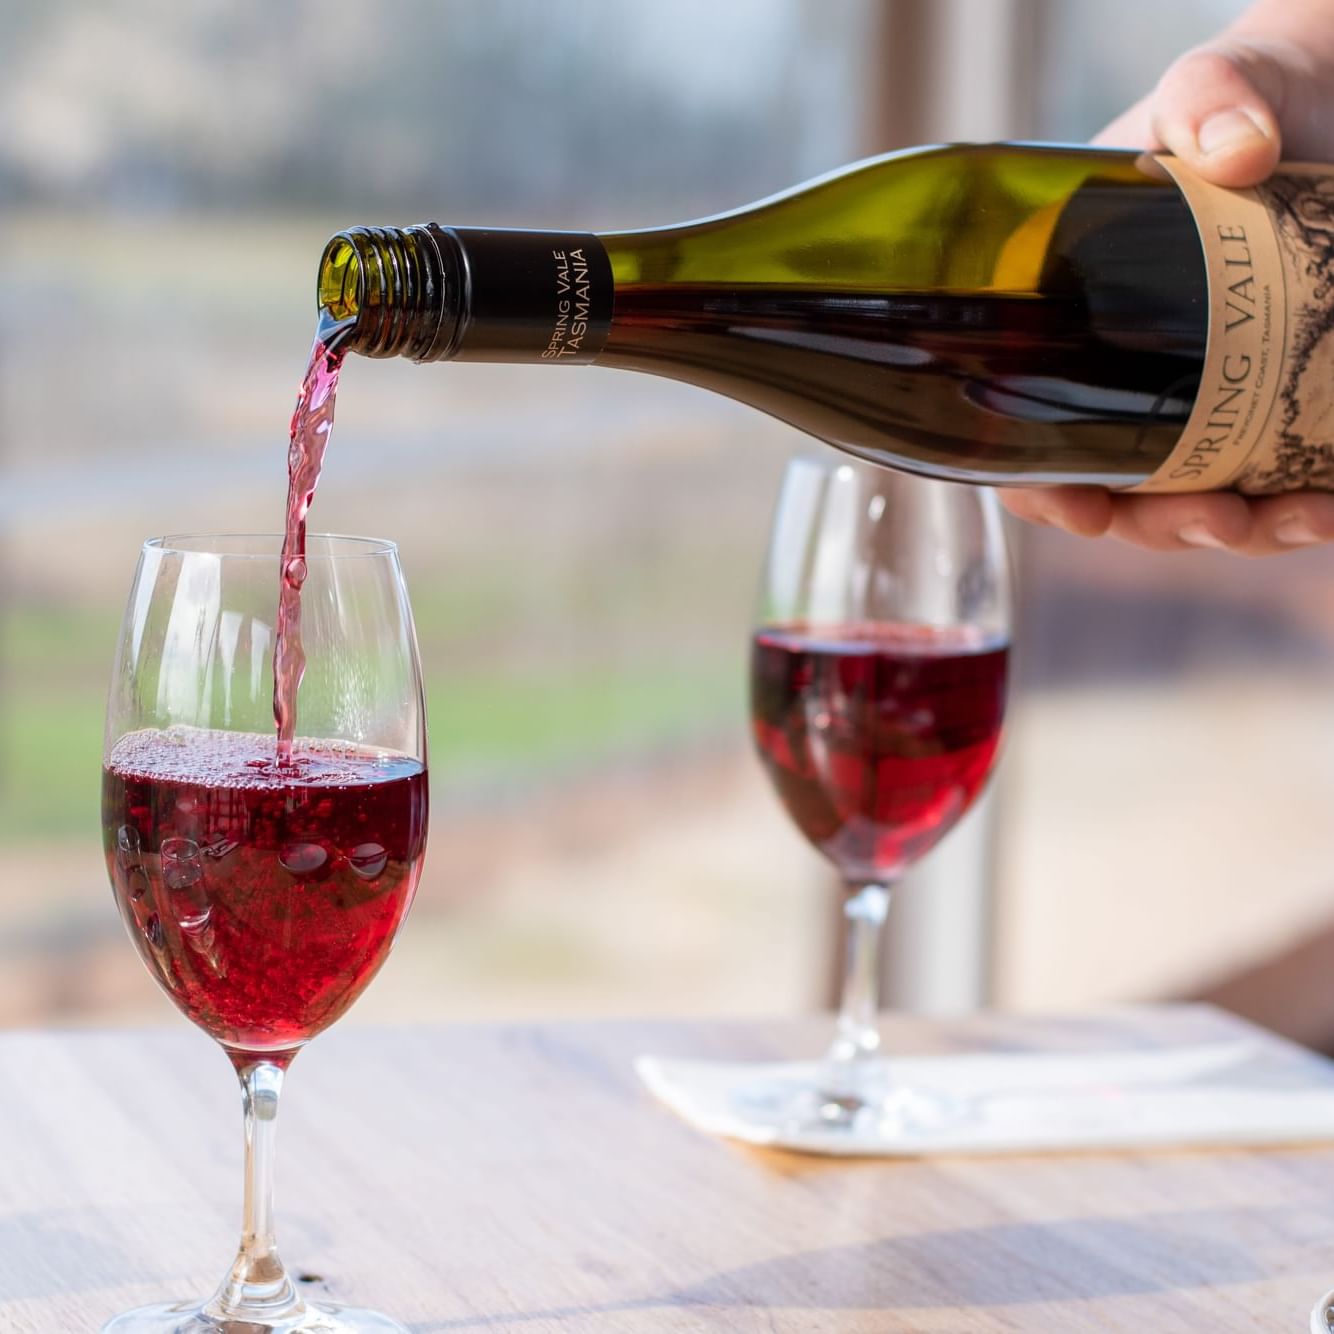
x=1006, y=313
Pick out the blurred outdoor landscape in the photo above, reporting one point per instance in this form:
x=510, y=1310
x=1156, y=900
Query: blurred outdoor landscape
x=581, y=547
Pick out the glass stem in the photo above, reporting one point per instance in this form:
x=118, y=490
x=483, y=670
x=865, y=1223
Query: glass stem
x=258, y=1288
x=858, y=1034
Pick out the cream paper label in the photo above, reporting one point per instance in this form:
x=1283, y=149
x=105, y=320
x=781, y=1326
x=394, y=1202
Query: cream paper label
x=1263, y=421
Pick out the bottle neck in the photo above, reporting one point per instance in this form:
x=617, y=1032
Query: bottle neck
x=436, y=293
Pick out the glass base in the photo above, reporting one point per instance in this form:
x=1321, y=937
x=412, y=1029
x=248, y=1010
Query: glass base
x=871, y=1106
x=189, y=1318
x=1322, y=1318
x=864, y=1103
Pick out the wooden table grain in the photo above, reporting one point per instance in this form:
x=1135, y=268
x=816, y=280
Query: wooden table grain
x=517, y=1179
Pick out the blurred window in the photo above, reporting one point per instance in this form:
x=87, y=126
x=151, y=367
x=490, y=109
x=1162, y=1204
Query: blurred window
x=582, y=547
x=581, y=550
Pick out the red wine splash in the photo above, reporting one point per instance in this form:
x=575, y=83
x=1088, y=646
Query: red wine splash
x=877, y=737
x=311, y=423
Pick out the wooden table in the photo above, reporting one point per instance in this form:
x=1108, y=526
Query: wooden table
x=517, y=1179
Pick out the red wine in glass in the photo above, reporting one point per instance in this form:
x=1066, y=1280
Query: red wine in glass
x=876, y=736
x=262, y=897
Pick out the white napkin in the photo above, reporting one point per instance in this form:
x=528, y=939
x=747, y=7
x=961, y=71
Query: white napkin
x=1234, y=1092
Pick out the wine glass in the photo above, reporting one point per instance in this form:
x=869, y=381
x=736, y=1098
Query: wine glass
x=1322, y=1316
x=877, y=690
x=263, y=897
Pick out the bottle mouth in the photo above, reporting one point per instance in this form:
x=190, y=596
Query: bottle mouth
x=386, y=292
x=338, y=292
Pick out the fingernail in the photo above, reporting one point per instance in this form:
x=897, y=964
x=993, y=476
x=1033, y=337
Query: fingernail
x=1296, y=532
x=1197, y=535
x=1226, y=130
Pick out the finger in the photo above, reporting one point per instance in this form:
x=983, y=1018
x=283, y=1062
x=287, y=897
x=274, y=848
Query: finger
x=1133, y=128
x=1083, y=510
x=1214, y=108
x=1219, y=520
x=1285, y=523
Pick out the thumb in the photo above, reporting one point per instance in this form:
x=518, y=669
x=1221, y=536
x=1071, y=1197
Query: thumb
x=1214, y=108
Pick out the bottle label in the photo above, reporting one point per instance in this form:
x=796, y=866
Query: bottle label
x=1263, y=421
x=581, y=291
x=533, y=296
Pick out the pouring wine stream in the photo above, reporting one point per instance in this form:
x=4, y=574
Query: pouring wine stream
x=312, y=422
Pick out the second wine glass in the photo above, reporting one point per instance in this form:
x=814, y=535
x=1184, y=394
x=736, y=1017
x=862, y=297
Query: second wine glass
x=878, y=688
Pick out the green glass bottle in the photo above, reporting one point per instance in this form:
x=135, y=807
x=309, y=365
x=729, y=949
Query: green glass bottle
x=1007, y=314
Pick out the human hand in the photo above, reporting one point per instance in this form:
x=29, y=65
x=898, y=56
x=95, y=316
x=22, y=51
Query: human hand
x=1229, y=108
